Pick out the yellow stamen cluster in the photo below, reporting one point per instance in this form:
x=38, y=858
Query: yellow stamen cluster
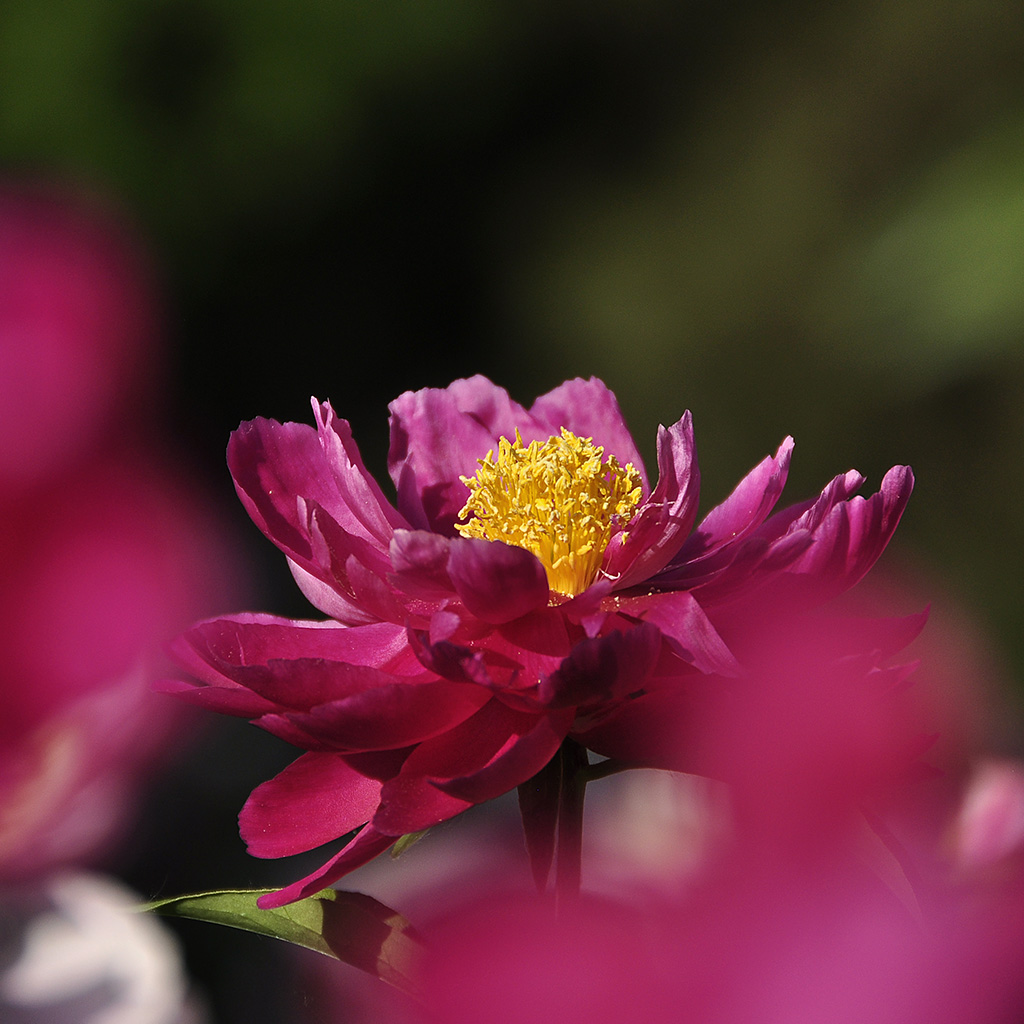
x=556, y=498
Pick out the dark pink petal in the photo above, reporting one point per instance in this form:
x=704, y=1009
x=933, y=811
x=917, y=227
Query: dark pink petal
x=520, y=759
x=411, y=803
x=437, y=435
x=305, y=684
x=543, y=632
x=373, y=594
x=379, y=764
x=361, y=494
x=228, y=700
x=391, y=716
x=255, y=639
x=419, y=561
x=689, y=631
x=745, y=509
x=809, y=515
x=589, y=409
x=314, y=800
x=454, y=661
x=497, y=582
x=660, y=729
x=362, y=849
x=733, y=571
x=271, y=463
x=854, y=533
x=664, y=520
x=604, y=668
x=328, y=597
x=333, y=547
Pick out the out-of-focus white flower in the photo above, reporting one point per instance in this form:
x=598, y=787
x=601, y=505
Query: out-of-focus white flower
x=90, y=958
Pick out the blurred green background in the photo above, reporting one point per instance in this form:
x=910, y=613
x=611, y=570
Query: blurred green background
x=788, y=217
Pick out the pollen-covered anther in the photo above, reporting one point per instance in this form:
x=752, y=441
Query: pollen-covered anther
x=559, y=498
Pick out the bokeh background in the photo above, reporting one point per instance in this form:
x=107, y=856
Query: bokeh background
x=788, y=217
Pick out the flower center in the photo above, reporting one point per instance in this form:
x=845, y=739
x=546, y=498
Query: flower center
x=556, y=498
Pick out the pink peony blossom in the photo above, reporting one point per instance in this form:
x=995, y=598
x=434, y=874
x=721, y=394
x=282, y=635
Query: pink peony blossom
x=529, y=585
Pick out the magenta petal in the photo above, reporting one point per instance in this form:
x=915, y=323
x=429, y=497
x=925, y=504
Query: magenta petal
x=306, y=684
x=253, y=639
x=656, y=730
x=391, y=716
x=810, y=515
x=497, y=582
x=451, y=661
x=325, y=597
x=228, y=700
x=589, y=409
x=361, y=495
x=252, y=664
x=271, y=462
x=745, y=509
x=362, y=849
x=420, y=564
x=601, y=669
x=437, y=435
x=522, y=757
x=662, y=523
x=689, y=631
x=314, y=800
x=854, y=533
x=411, y=803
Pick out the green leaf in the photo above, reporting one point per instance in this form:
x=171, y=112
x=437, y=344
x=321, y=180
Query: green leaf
x=404, y=842
x=349, y=926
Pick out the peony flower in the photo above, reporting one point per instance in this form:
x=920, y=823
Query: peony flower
x=528, y=586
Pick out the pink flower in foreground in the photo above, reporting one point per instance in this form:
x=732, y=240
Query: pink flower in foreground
x=529, y=585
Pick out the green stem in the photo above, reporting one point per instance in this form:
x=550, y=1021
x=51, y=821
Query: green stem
x=572, y=791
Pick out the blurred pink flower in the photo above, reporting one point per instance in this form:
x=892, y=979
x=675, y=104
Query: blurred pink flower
x=797, y=946
x=809, y=908
x=101, y=569
x=509, y=601
x=78, y=328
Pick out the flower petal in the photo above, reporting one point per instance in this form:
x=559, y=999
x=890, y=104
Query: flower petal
x=362, y=498
x=363, y=848
x=420, y=563
x=390, y=716
x=520, y=759
x=853, y=534
x=215, y=648
x=601, y=669
x=314, y=800
x=497, y=582
x=437, y=435
x=744, y=510
x=589, y=409
x=663, y=521
x=418, y=798
x=271, y=463
x=684, y=623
